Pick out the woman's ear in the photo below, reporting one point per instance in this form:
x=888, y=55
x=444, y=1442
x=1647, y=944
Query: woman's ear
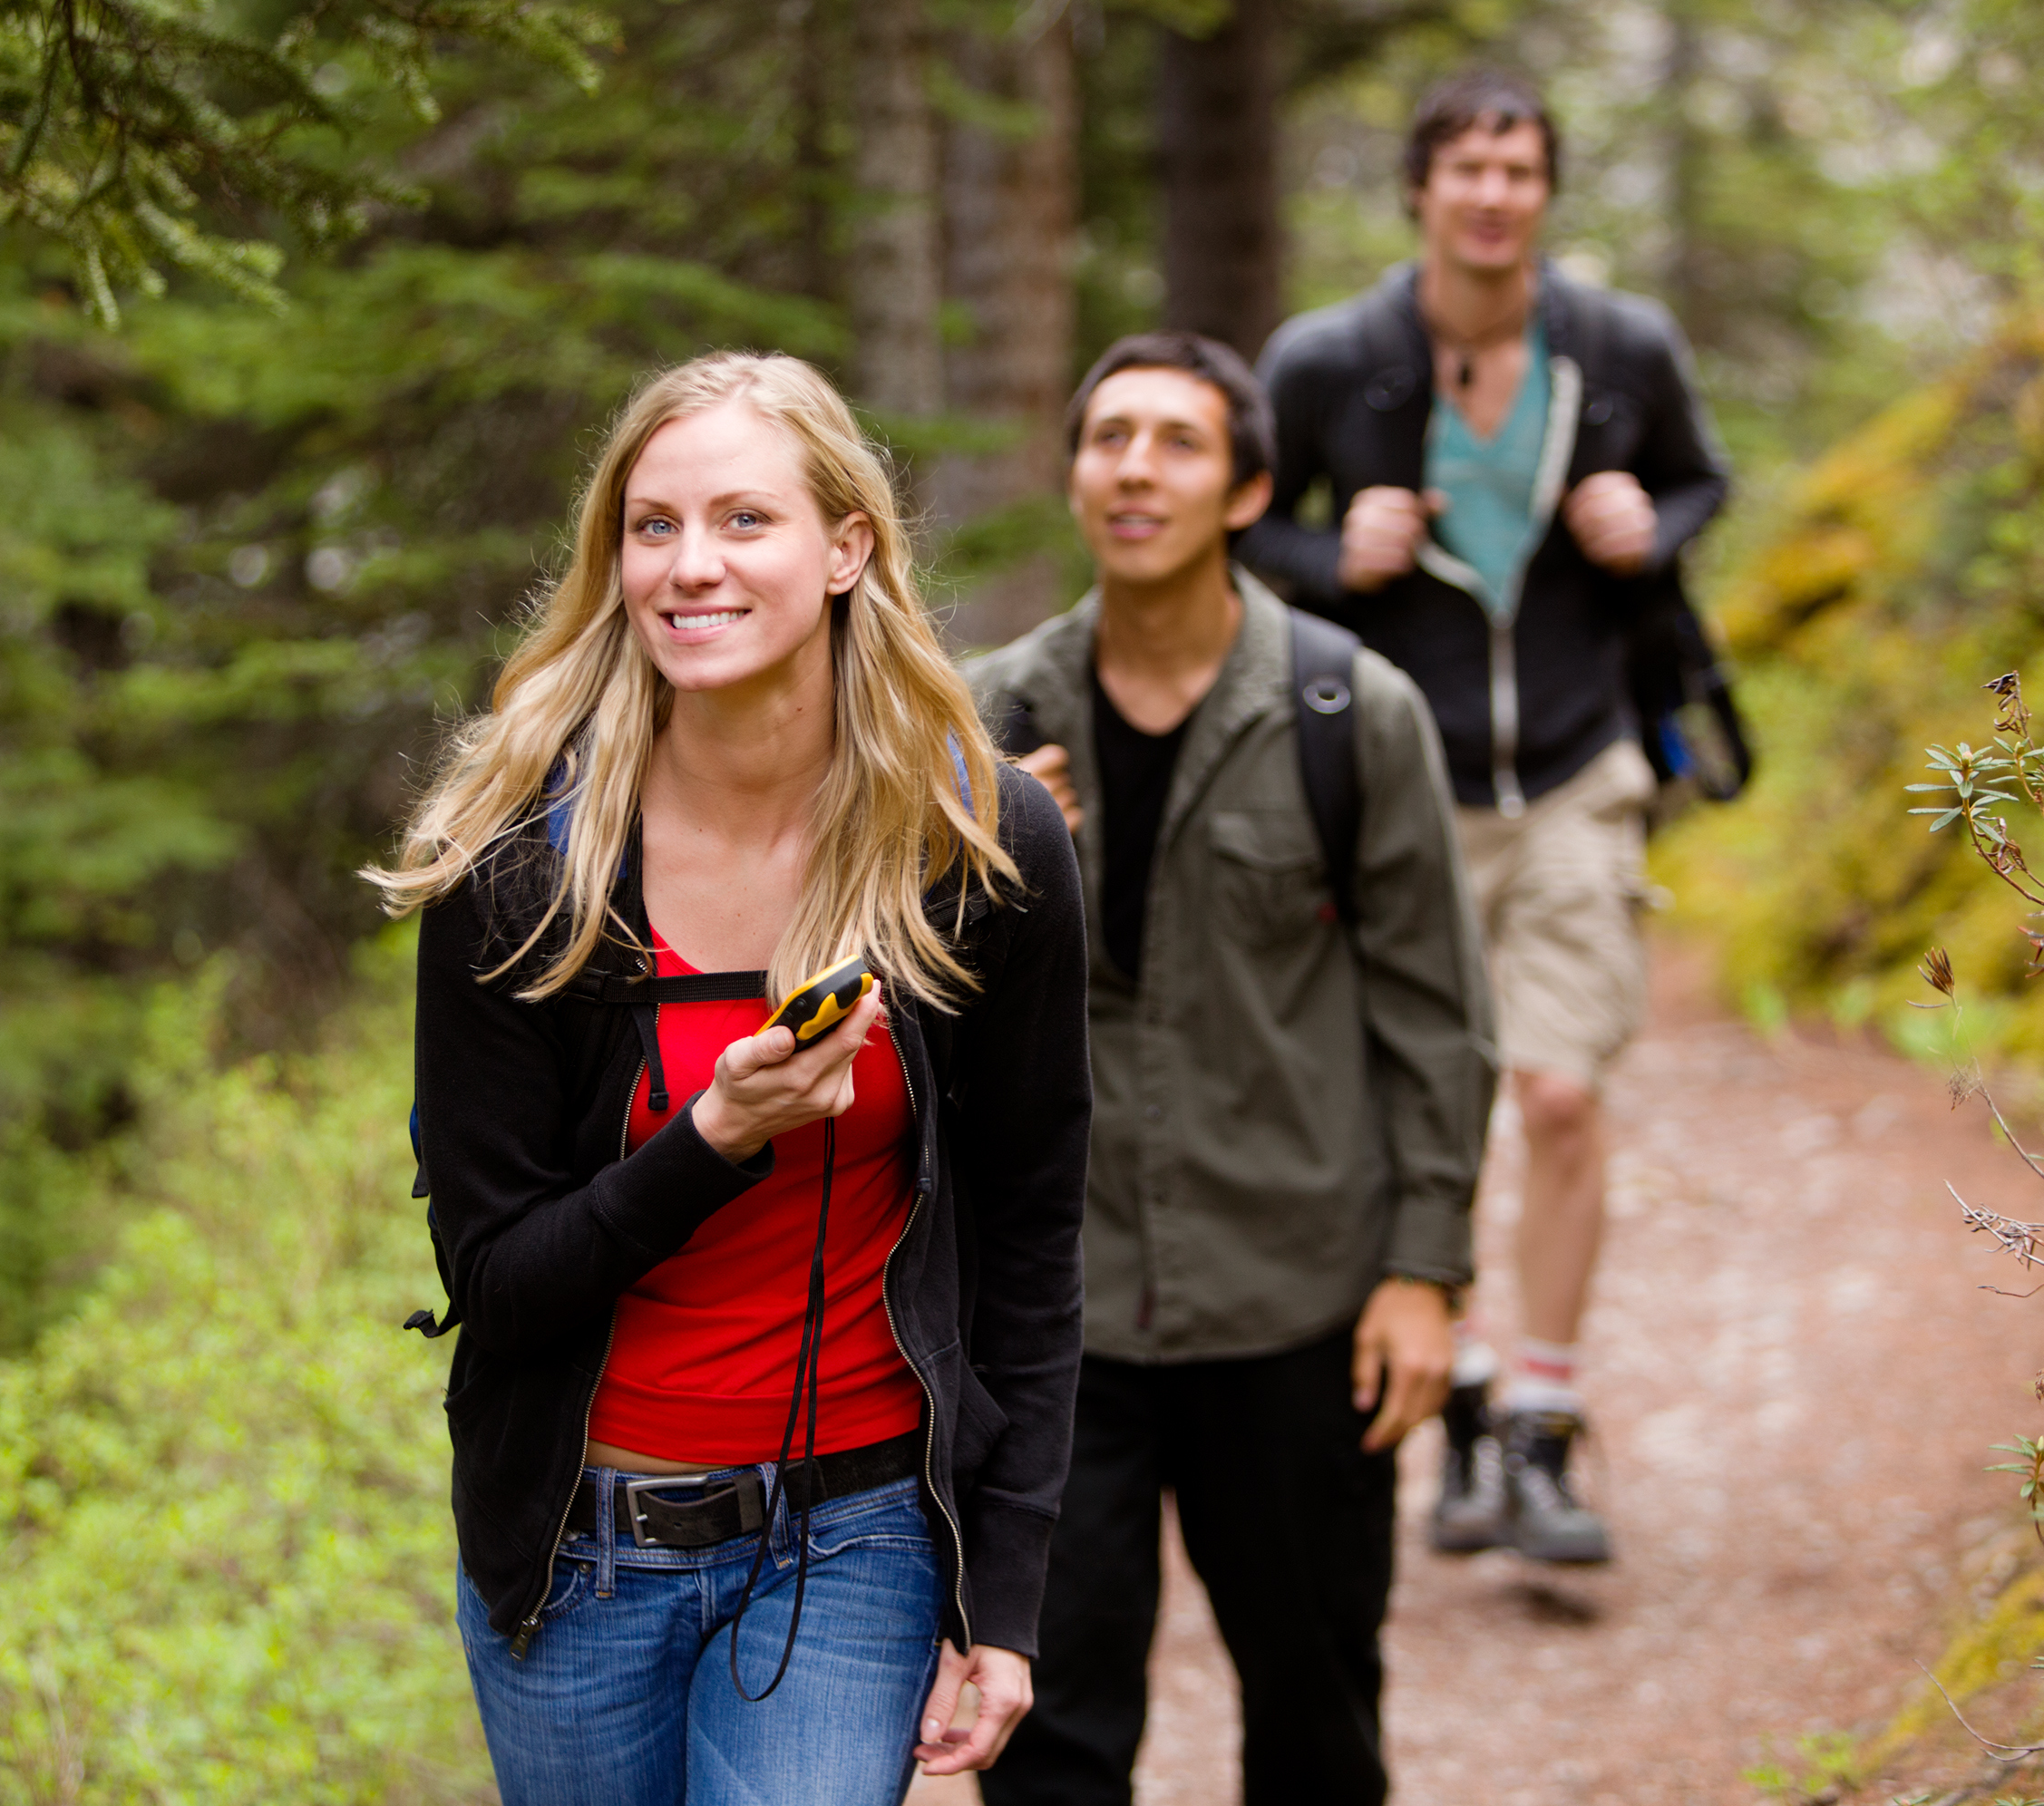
x=851, y=546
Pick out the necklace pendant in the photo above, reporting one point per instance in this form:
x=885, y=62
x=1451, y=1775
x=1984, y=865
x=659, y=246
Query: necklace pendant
x=1465, y=370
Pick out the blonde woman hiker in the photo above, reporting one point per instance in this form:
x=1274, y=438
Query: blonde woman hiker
x=761, y=1405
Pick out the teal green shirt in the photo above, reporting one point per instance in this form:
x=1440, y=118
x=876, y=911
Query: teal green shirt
x=1489, y=482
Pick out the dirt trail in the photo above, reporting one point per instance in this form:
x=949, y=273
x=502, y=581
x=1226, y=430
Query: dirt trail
x=1794, y=1380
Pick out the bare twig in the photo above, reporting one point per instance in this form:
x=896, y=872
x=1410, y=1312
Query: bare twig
x=2024, y=1242
x=2011, y=1753
x=2002, y=1123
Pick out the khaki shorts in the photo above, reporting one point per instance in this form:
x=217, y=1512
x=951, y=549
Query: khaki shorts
x=1559, y=892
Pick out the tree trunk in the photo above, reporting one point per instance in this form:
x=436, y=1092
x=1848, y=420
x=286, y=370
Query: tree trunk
x=1688, y=276
x=813, y=162
x=1217, y=153
x=1010, y=210
x=894, y=270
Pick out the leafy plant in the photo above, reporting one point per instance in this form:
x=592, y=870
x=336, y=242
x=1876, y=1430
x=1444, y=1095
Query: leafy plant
x=1829, y=1761
x=223, y=1480
x=133, y=133
x=2031, y=1466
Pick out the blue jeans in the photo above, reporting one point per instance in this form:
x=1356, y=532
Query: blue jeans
x=625, y=1695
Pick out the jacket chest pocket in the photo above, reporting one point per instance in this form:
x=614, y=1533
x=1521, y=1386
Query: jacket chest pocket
x=1268, y=884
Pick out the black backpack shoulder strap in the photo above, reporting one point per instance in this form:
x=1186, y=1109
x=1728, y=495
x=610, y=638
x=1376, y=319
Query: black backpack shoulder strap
x=1323, y=660
x=1012, y=724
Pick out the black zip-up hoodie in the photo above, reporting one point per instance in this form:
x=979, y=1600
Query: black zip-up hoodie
x=542, y=1220
x=1526, y=701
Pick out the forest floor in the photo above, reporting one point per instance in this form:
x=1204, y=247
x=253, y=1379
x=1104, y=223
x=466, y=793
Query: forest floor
x=1795, y=1379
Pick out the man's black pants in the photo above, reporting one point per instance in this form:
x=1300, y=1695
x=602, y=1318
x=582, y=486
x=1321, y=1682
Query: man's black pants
x=1290, y=1524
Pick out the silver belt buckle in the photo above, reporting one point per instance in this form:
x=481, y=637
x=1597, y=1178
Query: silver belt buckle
x=658, y=1484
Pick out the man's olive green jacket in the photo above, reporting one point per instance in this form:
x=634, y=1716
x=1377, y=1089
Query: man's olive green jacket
x=1285, y=1111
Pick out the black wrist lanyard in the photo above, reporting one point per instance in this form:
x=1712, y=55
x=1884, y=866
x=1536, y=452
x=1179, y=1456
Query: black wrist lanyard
x=809, y=1355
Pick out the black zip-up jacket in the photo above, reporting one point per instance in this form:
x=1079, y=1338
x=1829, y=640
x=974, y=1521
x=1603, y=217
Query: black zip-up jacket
x=1526, y=701
x=541, y=1219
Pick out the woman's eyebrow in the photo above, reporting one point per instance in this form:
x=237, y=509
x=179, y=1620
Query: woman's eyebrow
x=749, y=498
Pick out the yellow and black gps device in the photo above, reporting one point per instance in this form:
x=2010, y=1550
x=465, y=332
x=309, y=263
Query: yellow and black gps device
x=816, y=1006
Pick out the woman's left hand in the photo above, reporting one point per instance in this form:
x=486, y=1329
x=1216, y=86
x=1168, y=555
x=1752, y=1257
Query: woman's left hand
x=1004, y=1696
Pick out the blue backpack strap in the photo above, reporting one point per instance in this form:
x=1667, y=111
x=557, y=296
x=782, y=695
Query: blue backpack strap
x=958, y=767
x=560, y=796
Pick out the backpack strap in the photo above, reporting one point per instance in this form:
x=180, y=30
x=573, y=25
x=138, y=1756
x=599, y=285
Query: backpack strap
x=678, y=987
x=1323, y=661
x=1012, y=722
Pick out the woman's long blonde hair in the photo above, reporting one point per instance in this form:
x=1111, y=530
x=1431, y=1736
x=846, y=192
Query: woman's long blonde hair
x=580, y=693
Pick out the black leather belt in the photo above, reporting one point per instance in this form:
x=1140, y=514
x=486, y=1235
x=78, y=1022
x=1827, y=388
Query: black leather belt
x=713, y=1508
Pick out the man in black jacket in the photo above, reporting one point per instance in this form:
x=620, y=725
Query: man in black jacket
x=1515, y=463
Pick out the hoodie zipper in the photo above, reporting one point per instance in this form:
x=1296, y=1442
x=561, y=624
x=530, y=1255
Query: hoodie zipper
x=930, y=1397
x=530, y=1625
x=1564, y=398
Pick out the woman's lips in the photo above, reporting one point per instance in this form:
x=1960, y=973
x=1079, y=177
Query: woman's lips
x=702, y=624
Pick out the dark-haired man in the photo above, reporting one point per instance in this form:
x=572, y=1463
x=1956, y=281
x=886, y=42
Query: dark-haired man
x=1516, y=463
x=1291, y=1074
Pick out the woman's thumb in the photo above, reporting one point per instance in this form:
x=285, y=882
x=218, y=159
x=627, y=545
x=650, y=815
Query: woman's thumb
x=744, y=1057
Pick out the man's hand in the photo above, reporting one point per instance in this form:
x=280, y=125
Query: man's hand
x=1404, y=1348
x=1381, y=533
x=1002, y=1678
x=1051, y=766
x=1612, y=519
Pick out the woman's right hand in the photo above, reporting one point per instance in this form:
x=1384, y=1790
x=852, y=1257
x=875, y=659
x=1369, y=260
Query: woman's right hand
x=764, y=1087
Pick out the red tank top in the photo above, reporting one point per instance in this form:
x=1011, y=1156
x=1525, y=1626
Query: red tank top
x=703, y=1364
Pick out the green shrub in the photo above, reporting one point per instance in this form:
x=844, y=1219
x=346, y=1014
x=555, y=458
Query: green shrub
x=223, y=1479
x=1902, y=572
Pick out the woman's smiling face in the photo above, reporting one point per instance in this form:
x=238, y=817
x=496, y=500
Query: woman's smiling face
x=727, y=564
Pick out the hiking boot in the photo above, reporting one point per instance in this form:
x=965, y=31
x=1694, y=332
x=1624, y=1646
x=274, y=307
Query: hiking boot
x=1542, y=1520
x=1469, y=1515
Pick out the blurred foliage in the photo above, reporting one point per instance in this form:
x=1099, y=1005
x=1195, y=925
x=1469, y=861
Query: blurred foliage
x=248, y=557
x=223, y=1480
x=126, y=129
x=1904, y=569
x=1776, y=173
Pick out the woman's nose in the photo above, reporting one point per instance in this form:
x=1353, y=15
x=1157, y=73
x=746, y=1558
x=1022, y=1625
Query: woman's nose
x=696, y=561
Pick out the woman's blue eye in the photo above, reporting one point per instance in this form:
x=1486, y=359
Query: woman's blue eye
x=744, y=518
x=655, y=525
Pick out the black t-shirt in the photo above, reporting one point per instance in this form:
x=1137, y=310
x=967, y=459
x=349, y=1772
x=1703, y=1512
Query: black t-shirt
x=1135, y=771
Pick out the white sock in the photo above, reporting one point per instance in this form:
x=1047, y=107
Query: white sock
x=1543, y=1377
x=1475, y=1361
